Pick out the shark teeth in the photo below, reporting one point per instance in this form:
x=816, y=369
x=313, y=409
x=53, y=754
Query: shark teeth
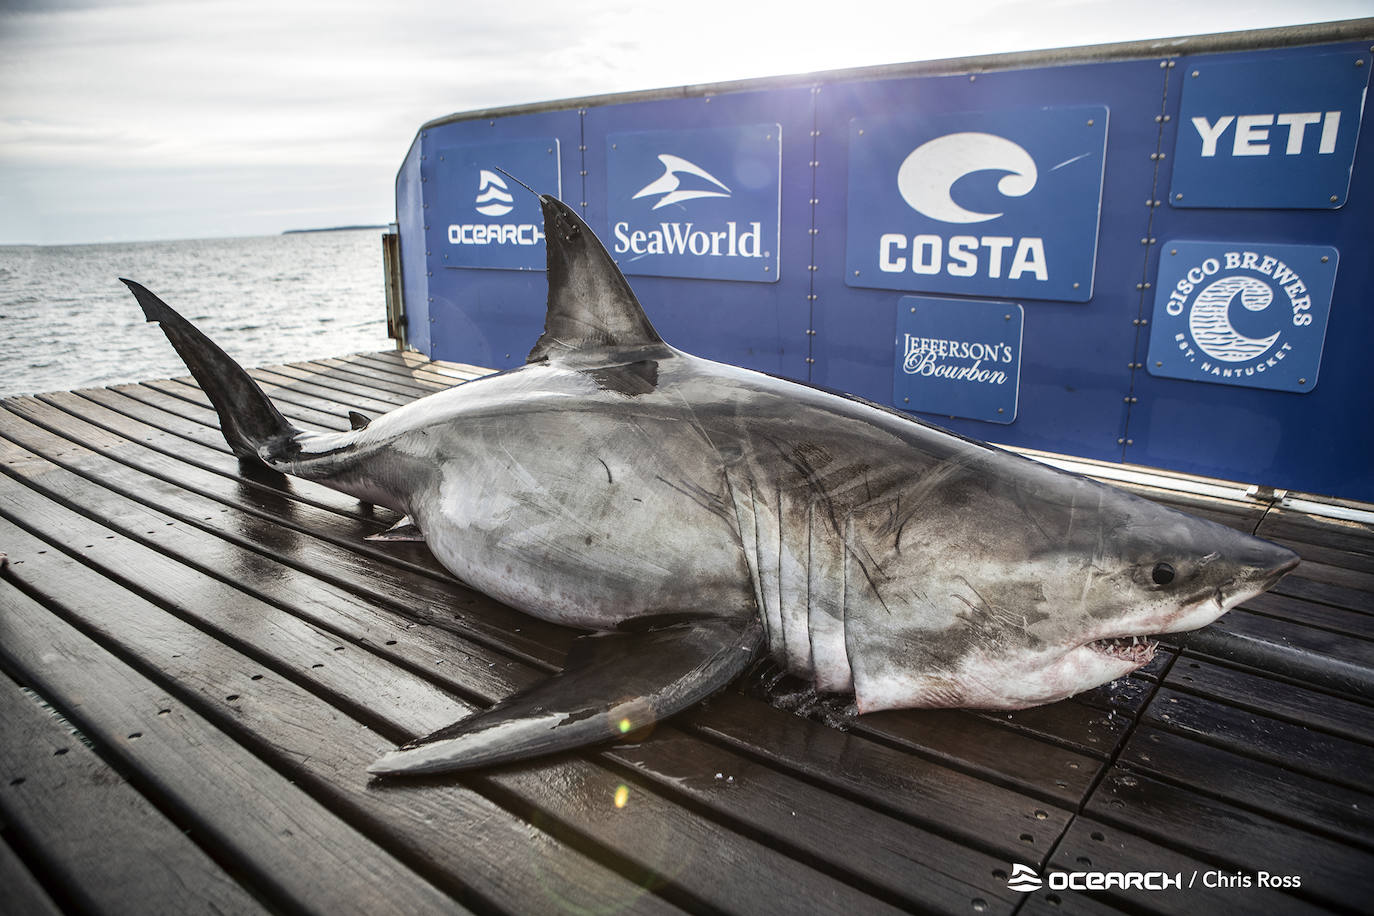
x=1138, y=649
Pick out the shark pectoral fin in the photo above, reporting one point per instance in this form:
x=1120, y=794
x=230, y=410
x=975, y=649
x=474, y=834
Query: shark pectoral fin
x=613, y=684
x=404, y=530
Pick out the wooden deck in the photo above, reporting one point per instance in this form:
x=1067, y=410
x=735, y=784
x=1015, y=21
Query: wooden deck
x=198, y=667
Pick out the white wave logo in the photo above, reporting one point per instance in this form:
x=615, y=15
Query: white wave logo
x=493, y=197
x=928, y=174
x=1210, y=319
x=1023, y=879
x=669, y=184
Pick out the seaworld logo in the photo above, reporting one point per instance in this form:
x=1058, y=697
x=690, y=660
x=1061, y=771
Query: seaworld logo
x=670, y=185
x=721, y=240
x=1227, y=342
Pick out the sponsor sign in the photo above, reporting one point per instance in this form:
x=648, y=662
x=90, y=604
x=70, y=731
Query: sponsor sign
x=699, y=203
x=1242, y=313
x=998, y=203
x=958, y=357
x=488, y=219
x=1274, y=133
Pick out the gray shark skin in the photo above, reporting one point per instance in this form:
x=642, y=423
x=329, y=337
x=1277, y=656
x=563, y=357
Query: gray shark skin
x=700, y=513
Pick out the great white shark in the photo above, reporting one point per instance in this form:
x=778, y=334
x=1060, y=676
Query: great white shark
x=698, y=514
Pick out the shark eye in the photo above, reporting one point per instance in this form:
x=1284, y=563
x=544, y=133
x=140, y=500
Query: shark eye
x=1163, y=574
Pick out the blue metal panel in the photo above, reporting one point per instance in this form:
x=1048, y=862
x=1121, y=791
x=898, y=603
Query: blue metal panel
x=491, y=317
x=672, y=214
x=1321, y=441
x=960, y=357
x=759, y=325
x=1083, y=385
x=1242, y=314
x=492, y=223
x=410, y=224
x=1075, y=369
x=1295, y=151
x=977, y=203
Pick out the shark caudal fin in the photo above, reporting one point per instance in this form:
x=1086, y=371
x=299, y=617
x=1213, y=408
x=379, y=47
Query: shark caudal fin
x=251, y=424
x=591, y=305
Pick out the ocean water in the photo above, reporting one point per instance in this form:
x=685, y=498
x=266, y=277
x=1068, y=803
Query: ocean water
x=67, y=322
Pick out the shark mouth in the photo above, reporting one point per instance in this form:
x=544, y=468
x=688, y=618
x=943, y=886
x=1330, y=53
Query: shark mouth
x=1139, y=650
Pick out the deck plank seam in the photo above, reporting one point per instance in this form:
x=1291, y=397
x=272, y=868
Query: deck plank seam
x=237, y=868
x=394, y=604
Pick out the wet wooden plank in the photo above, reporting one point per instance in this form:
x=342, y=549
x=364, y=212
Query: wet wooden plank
x=955, y=804
x=236, y=537
x=23, y=892
x=548, y=797
x=1274, y=790
x=1295, y=747
x=106, y=845
x=1331, y=873
x=1255, y=693
x=283, y=838
x=277, y=694
x=1092, y=845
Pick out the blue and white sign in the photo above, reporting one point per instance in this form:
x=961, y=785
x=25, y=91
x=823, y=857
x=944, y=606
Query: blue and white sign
x=958, y=357
x=1242, y=313
x=702, y=203
x=1271, y=133
x=1001, y=203
x=490, y=220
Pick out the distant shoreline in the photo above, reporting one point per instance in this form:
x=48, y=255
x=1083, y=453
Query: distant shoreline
x=333, y=229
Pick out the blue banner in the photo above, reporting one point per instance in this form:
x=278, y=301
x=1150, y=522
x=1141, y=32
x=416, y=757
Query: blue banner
x=701, y=203
x=1242, y=313
x=958, y=357
x=1269, y=133
x=492, y=221
x=999, y=203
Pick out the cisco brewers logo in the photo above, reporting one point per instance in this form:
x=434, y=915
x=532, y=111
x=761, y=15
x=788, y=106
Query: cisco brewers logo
x=681, y=181
x=1241, y=313
x=493, y=197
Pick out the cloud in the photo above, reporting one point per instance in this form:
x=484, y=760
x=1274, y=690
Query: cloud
x=99, y=99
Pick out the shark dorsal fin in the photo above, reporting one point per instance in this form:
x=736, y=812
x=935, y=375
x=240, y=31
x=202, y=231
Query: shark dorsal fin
x=591, y=306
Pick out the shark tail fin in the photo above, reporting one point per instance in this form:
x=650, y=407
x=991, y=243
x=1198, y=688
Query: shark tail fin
x=252, y=425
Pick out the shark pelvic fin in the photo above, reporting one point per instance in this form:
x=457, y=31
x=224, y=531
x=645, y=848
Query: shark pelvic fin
x=404, y=530
x=614, y=684
x=591, y=305
x=358, y=420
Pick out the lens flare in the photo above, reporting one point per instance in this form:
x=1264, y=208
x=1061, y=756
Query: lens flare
x=622, y=795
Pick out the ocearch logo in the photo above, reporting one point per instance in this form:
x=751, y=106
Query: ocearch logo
x=493, y=196
x=1023, y=879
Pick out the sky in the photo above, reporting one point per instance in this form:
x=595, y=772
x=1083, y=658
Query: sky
x=146, y=119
